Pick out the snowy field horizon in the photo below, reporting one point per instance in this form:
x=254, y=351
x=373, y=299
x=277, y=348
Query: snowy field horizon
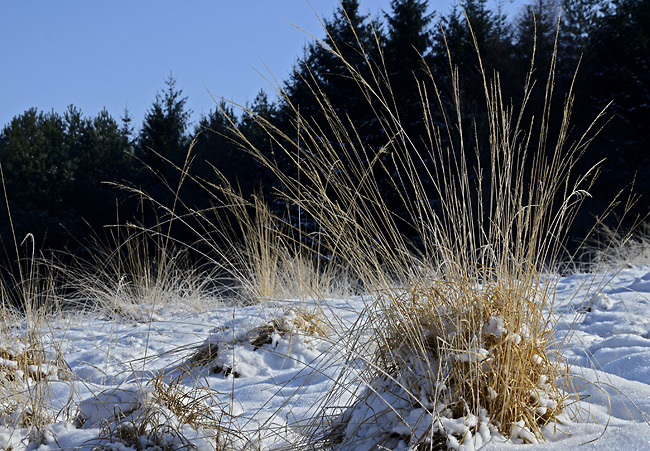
x=268, y=391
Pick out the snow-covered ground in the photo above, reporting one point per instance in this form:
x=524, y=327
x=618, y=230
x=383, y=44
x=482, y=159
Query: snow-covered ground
x=265, y=383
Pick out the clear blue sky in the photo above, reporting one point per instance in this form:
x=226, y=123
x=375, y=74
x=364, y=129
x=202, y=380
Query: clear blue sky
x=117, y=53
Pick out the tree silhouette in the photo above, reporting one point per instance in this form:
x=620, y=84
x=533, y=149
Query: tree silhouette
x=407, y=46
x=163, y=139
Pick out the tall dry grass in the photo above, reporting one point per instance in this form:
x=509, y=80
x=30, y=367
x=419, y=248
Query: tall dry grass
x=29, y=360
x=132, y=274
x=126, y=278
x=459, y=327
x=267, y=258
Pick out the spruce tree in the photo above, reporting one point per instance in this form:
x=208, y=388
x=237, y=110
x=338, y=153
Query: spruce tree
x=38, y=174
x=127, y=125
x=577, y=24
x=535, y=35
x=352, y=36
x=214, y=147
x=164, y=131
x=617, y=67
x=407, y=46
x=454, y=46
x=457, y=63
x=329, y=74
x=105, y=159
x=454, y=38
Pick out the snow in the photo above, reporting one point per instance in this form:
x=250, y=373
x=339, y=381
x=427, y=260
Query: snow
x=266, y=384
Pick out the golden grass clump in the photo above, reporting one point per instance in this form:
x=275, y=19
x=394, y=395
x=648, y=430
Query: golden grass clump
x=472, y=353
x=29, y=364
x=29, y=360
x=24, y=376
x=453, y=363
x=132, y=274
x=265, y=257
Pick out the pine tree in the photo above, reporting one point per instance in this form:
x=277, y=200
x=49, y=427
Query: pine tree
x=104, y=157
x=456, y=64
x=535, y=33
x=578, y=22
x=262, y=109
x=38, y=173
x=407, y=48
x=214, y=147
x=329, y=74
x=164, y=132
x=617, y=67
x=354, y=39
x=127, y=125
x=454, y=42
x=26, y=146
x=55, y=168
x=454, y=38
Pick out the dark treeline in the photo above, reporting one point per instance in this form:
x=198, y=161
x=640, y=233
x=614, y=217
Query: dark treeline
x=55, y=164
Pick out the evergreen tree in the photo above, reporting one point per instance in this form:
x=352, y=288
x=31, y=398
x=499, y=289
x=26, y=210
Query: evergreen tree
x=164, y=132
x=127, y=126
x=466, y=29
x=322, y=72
x=617, y=67
x=214, y=147
x=325, y=89
x=537, y=47
x=407, y=48
x=454, y=40
x=578, y=22
x=536, y=30
x=38, y=173
x=104, y=157
x=252, y=125
x=262, y=109
x=352, y=36
x=54, y=169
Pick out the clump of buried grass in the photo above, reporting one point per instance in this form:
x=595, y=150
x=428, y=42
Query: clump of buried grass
x=26, y=371
x=456, y=345
x=453, y=365
x=218, y=351
x=501, y=355
x=165, y=414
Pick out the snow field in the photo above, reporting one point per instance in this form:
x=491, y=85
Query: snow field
x=260, y=387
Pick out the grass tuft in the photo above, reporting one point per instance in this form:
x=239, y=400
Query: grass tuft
x=171, y=412
x=284, y=325
x=134, y=274
x=456, y=342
